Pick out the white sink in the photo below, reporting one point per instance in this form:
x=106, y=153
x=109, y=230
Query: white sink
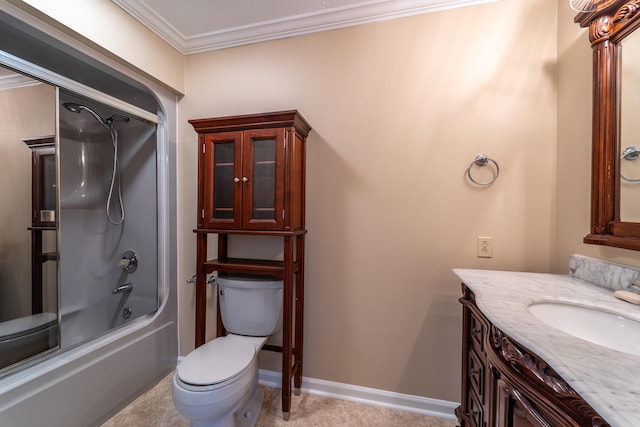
x=591, y=324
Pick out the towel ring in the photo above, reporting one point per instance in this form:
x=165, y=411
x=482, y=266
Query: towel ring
x=483, y=160
x=630, y=153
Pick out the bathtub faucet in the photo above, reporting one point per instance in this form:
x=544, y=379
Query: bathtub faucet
x=128, y=287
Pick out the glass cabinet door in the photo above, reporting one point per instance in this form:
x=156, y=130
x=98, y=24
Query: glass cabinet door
x=43, y=180
x=46, y=215
x=244, y=180
x=223, y=186
x=263, y=180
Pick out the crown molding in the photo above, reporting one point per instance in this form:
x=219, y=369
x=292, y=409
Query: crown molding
x=324, y=20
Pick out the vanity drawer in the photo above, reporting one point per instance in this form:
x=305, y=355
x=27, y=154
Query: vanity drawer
x=476, y=412
x=476, y=374
x=477, y=331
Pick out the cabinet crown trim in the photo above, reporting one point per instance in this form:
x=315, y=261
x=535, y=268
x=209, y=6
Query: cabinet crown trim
x=277, y=119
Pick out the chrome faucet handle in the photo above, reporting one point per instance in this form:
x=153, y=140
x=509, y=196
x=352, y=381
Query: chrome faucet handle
x=128, y=262
x=635, y=288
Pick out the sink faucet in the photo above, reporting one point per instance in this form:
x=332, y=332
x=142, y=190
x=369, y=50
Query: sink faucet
x=634, y=288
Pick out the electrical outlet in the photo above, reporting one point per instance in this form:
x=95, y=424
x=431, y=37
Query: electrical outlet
x=485, y=247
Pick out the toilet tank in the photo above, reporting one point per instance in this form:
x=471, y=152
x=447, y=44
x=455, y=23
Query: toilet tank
x=249, y=305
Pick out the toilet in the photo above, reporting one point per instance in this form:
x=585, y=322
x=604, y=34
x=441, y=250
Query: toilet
x=216, y=385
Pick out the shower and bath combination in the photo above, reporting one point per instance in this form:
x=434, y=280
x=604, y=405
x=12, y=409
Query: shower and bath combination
x=108, y=124
x=98, y=291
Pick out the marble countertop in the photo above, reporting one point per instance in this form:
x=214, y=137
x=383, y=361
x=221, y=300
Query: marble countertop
x=608, y=380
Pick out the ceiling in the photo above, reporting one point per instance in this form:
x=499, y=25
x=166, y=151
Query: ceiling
x=194, y=26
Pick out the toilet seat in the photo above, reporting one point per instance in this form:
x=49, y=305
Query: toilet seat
x=217, y=363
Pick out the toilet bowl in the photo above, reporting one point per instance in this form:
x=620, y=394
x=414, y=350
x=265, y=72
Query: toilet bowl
x=216, y=385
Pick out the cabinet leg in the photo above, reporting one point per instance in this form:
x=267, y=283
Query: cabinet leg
x=299, y=319
x=36, y=269
x=287, y=326
x=223, y=246
x=201, y=290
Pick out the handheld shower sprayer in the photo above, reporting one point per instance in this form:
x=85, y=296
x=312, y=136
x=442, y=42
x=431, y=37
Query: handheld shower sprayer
x=78, y=108
x=108, y=124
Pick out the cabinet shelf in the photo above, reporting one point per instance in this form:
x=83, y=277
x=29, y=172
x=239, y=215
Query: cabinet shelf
x=249, y=266
x=251, y=232
x=48, y=256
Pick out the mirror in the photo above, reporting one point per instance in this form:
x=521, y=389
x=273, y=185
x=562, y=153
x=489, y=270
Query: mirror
x=28, y=242
x=630, y=129
x=615, y=210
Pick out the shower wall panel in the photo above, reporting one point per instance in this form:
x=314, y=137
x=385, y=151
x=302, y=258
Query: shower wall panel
x=91, y=247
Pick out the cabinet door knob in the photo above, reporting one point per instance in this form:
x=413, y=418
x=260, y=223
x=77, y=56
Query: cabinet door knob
x=236, y=179
x=245, y=179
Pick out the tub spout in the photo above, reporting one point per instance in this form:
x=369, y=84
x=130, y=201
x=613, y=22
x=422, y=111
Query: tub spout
x=124, y=288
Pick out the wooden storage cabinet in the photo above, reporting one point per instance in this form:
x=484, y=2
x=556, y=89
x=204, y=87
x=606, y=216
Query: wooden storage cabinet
x=251, y=171
x=251, y=181
x=505, y=384
x=43, y=216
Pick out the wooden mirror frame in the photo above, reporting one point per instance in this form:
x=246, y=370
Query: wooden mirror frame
x=608, y=25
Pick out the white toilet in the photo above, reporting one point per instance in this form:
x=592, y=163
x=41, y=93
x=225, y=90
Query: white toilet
x=216, y=385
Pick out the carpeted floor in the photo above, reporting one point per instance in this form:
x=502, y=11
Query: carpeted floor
x=155, y=409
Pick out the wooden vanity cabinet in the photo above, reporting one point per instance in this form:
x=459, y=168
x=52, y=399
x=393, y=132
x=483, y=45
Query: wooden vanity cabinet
x=505, y=384
x=251, y=181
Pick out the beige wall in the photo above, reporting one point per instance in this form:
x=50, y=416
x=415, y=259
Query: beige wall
x=107, y=27
x=574, y=148
x=399, y=110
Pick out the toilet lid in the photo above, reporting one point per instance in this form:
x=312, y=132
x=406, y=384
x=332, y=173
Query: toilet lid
x=26, y=325
x=216, y=361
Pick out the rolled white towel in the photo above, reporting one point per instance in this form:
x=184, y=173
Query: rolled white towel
x=627, y=296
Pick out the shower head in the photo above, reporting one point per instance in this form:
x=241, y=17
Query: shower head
x=73, y=107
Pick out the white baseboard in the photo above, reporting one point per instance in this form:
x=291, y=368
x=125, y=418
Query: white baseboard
x=370, y=396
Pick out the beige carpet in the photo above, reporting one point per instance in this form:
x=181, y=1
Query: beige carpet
x=155, y=409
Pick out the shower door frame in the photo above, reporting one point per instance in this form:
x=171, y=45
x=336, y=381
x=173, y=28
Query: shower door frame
x=126, y=361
